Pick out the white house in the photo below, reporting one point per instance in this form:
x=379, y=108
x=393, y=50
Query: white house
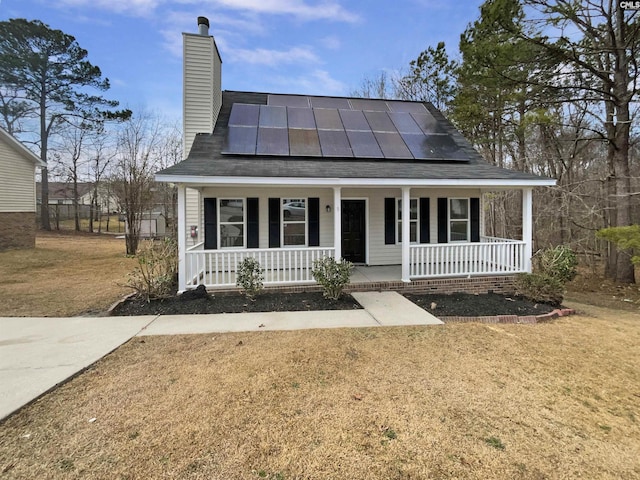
x=292, y=178
x=17, y=193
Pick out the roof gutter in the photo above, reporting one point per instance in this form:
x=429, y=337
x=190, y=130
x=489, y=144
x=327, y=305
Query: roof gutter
x=355, y=182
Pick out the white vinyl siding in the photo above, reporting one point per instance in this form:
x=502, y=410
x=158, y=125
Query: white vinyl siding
x=202, y=93
x=381, y=254
x=263, y=194
x=17, y=181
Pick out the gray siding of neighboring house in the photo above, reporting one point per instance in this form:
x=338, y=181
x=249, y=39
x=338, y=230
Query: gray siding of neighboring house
x=17, y=198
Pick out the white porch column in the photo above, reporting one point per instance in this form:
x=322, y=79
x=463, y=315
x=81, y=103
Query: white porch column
x=337, y=222
x=406, y=240
x=527, y=226
x=182, y=238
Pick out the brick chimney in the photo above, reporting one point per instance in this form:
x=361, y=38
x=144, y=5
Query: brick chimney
x=202, y=86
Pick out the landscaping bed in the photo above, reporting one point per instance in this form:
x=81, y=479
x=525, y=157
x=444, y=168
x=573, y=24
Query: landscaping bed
x=199, y=302
x=195, y=301
x=468, y=305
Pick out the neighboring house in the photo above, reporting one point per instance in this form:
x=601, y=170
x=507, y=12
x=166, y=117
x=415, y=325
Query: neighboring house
x=61, y=193
x=152, y=225
x=17, y=193
x=288, y=179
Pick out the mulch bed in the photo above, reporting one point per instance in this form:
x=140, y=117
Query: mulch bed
x=192, y=302
x=468, y=305
x=200, y=301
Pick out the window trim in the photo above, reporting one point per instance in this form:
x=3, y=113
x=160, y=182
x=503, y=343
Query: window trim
x=305, y=221
x=244, y=223
x=460, y=220
x=398, y=221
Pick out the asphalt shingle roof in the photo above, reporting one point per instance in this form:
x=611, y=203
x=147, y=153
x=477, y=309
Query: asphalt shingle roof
x=206, y=159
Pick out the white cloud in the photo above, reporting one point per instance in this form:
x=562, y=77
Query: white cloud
x=317, y=82
x=271, y=58
x=324, y=10
x=331, y=42
x=137, y=8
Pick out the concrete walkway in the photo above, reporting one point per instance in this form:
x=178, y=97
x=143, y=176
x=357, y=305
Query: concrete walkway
x=36, y=354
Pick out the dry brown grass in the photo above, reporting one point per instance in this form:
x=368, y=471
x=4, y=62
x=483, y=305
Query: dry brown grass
x=464, y=401
x=66, y=274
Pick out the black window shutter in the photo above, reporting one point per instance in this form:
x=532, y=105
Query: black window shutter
x=253, y=232
x=314, y=222
x=389, y=221
x=475, y=219
x=274, y=223
x=424, y=220
x=210, y=224
x=443, y=209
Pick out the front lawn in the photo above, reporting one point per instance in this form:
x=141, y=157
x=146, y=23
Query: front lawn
x=555, y=400
x=66, y=274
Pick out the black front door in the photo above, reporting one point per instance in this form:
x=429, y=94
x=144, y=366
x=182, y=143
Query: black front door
x=354, y=230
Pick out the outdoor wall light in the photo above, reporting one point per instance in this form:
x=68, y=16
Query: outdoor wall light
x=328, y=208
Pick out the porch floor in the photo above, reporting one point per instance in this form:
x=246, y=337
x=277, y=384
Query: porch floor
x=384, y=273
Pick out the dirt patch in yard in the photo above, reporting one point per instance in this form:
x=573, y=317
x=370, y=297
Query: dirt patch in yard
x=555, y=400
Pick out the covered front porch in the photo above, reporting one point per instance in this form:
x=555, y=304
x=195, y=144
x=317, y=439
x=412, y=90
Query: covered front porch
x=411, y=254
x=490, y=256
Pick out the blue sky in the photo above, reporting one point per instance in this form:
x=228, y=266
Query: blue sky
x=323, y=47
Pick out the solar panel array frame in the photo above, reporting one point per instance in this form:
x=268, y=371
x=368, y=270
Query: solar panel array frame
x=302, y=126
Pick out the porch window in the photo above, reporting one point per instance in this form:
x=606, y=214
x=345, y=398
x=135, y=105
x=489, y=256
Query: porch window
x=294, y=222
x=231, y=212
x=414, y=215
x=459, y=220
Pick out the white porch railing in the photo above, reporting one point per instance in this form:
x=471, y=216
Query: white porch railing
x=281, y=265
x=490, y=256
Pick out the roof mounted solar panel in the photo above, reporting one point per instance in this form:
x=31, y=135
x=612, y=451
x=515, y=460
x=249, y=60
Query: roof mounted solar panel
x=369, y=105
x=408, y=107
x=446, y=147
x=419, y=147
x=300, y=118
x=275, y=117
x=427, y=123
x=329, y=102
x=304, y=143
x=328, y=119
x=241, y=140
x=405, y=123
x=288, y=101
x=272, y=141
x=392, y=145
x=244, y=115
x=334, y=143
x=380, y=122
x=364, y=144
x=354, y=120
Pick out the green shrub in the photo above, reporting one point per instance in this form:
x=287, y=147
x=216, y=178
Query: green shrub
x=249, y=277
x=553, y=268
x=625, y=238
x=558, y=262
x=332, y=275
x=540, y=288
x=155, y=275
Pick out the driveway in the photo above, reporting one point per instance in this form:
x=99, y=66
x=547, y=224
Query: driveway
x=36, y=354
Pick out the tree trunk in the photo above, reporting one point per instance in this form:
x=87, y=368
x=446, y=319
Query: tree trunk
x=76, y=214
x=44, y=199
